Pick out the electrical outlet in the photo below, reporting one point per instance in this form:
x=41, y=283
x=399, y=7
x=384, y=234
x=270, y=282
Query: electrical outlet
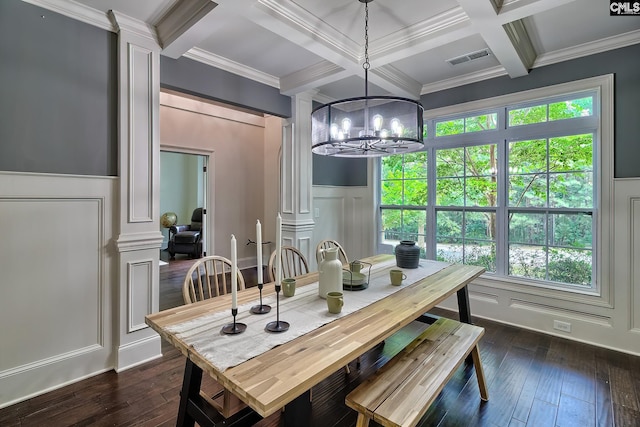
x=562, y=326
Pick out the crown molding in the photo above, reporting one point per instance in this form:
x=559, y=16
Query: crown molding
x=77, y=11
x=181, y=19
x=322, y=98
x=465, y=79
x=419, y=32
x=310, y=77
x=586, y=49
x=296, y=17
x=225, y=64
x=122, y=22
x=387, y=74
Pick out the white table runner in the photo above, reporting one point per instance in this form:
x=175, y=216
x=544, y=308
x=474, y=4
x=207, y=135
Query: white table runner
x=305, y=311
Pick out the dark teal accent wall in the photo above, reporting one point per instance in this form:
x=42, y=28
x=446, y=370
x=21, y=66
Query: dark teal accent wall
x=58, y=99
x=624, y=63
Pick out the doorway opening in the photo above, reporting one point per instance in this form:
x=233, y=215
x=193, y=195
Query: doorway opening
x=183, y=190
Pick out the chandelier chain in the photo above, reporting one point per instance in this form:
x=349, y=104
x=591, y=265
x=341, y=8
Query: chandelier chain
x=366, y=64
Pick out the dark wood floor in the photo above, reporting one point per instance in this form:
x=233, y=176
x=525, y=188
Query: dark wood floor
x=534, y=380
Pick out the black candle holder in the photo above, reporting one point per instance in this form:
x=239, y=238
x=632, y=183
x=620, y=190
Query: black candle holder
x=234, y=328
x=262, y=308
x=278, y=325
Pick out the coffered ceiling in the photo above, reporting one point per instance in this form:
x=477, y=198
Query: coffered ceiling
x=299, y=45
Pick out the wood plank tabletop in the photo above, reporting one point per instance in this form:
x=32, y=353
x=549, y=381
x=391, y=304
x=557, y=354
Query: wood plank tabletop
x=269, y=381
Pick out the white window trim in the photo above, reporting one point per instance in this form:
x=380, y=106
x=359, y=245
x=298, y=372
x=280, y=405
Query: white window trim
x=603, y=293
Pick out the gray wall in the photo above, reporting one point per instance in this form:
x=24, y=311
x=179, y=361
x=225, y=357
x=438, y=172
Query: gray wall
x=195, y=78
x=58, y=103
x=624, y=63
x=339, y=171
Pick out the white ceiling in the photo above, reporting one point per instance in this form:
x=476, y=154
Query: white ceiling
x=298, y=45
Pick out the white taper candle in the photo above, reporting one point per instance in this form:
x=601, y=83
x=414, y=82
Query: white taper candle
x=278, y=249
x=234, y=273
x=259, y=250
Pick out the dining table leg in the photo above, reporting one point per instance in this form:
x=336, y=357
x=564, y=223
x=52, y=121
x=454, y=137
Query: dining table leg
x=190, y=388
x=463, y=305
x=464, y=311
x=193, y=408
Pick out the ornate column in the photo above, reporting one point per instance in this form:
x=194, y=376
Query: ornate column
x=296, y=181
x=139, y=238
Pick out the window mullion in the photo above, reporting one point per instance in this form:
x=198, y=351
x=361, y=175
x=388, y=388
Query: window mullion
x=502, y=218
x=431, y=202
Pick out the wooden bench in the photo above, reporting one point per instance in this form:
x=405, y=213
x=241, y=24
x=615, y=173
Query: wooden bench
x=400, y=393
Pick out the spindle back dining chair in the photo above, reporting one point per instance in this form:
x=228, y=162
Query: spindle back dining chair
x=293, y=261
x=210, y=277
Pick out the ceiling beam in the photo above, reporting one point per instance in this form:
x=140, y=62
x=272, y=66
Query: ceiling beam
x=306, y=30
x=509, y=43
x=186, y=24
x=312, y=77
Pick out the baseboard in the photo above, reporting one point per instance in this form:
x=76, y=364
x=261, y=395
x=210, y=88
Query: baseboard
x=138, y=352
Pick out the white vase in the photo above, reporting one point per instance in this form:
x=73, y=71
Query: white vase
x=330, y=271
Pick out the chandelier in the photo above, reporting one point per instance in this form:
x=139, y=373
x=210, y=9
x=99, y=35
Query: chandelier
x=367, y=126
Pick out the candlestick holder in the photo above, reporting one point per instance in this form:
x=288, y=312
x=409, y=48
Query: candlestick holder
x=234, y=328
x=262, y=308
x=278, y=325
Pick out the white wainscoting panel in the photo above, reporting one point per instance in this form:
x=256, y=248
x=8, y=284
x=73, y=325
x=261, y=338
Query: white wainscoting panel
x=140, y=293
x=344, y=214
x=55, y=263
x=634, y=256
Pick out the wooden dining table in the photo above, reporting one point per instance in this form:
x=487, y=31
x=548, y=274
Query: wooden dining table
x=284, y=375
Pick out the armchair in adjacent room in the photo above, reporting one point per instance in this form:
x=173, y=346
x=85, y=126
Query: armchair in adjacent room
x=187, y=239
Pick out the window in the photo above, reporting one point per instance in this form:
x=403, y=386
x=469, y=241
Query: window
x=404, y=195
x=515, y=187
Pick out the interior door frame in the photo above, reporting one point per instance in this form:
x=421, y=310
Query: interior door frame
x=209, y=210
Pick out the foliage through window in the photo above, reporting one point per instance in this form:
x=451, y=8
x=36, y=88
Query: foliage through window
x=519, y=201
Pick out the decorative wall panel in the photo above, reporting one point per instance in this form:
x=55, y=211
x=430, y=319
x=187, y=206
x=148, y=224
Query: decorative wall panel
x=56, y=306
x=140, y=293
x=634, y=256
x=141, y=134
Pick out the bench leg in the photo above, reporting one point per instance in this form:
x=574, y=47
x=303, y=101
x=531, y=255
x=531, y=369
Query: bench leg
x=482, y=383
x=363, y=420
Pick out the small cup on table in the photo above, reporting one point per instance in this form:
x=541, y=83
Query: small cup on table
x=289, y=287
x=355, y=266
x=397, y=276
x=335, y=302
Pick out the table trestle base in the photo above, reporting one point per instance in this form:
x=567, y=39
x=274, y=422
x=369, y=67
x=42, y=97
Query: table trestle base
x=193, y=408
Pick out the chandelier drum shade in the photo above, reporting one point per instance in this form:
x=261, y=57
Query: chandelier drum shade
x=367, y=126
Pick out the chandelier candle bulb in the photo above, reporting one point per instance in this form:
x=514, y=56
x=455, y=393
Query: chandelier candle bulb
x=259, y=250
x=234, y=274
